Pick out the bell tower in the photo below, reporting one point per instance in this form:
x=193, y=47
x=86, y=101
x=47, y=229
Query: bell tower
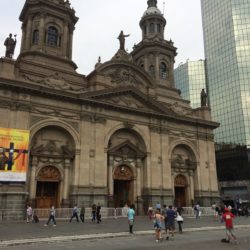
x=154, y=54
x=47, y=32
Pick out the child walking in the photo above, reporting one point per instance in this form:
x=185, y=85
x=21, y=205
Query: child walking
x=228, y=218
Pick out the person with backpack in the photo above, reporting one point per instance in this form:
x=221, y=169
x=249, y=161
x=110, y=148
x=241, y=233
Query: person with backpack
x=74, y=213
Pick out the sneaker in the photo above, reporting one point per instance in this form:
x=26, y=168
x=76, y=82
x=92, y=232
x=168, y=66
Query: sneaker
x=54, y=225
x=45, y=225
x=167, y=238
x=156, y=240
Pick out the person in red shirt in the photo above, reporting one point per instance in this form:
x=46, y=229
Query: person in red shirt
x=228, y=218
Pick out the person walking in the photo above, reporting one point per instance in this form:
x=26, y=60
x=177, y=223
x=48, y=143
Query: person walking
x=150, y=213
x=170, y=214
x=158, y=218
x=52, y=213
x=82, y=213
x=131, y=218
x=179, y=220
x=98, y=213
x=74, y=213
x=29, y=213
x=228, y=218
x=197, y=210
x=93, y=212
x=158, y=205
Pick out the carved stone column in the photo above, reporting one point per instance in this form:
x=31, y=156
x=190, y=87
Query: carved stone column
x=77, y=167
x=138, y=179
x=65, y=39
x=157, y=66
x=33, y=178
x=139, y=200
x=111, y=181
x=65, y=183
x=191, y=186
x=70, y=43
x=28, y=33
x=41, y=31
x=66, y=178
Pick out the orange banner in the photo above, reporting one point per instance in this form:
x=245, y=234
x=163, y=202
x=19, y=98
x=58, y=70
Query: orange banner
x=14, y=144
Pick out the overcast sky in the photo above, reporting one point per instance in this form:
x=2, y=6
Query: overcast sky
x=100, y=22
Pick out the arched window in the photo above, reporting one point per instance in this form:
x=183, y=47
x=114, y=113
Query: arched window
x=35, y=37
x=163, y=71
x=52, y=36
x=152, y=70
x=145, y=30
x=151, y=28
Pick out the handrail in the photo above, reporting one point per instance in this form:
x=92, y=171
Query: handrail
x=65, y=213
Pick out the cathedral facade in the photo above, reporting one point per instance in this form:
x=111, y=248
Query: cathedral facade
x=121, y=134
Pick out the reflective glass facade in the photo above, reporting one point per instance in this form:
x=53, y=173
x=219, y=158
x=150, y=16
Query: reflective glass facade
x=226, y=27
x=190, y=79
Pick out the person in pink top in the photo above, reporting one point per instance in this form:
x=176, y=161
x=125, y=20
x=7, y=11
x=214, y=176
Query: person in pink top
x=228, y=218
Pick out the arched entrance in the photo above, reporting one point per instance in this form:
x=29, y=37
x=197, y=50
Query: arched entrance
x=47, y=188
x=180, y=185
x=123, y=186
x=184, y=165
x=126, y=161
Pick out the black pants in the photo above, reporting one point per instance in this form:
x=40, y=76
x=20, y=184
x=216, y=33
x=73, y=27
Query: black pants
x=93, y=215
x=131, y=224
x=51, y=217
x=98, y=217
x=180, y=226
x=82, y=217
x=74, y=215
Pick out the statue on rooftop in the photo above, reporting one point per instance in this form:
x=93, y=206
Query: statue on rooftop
x=10, y=45
x=121, y=38
x=203, y=98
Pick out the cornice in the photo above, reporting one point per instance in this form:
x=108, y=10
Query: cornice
x=37, y=90
x=144, y=44
x=48, y=56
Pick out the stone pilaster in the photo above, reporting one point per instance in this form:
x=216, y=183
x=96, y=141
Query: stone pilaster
x=33, y=180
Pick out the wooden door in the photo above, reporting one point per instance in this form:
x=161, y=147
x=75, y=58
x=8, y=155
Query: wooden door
x=122, y=193
x=180, y=196
x=46, y=194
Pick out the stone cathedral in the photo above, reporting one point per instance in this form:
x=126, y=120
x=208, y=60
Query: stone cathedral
x=121, y=134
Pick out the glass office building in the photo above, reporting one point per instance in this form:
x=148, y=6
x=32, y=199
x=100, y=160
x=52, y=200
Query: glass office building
x=226, y=28
x=190, y=80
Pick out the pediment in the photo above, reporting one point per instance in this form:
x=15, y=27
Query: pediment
x=125, y=73
x=129, y=98
x=126, y=149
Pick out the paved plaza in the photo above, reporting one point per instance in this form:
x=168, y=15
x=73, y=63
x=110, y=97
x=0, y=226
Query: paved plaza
x=21, y=233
